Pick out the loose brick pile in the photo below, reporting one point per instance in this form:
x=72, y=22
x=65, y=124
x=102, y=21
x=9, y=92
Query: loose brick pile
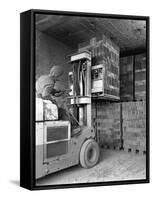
x=134, y=126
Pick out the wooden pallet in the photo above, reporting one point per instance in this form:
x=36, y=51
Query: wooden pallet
x=134, y=150
x=108, y=146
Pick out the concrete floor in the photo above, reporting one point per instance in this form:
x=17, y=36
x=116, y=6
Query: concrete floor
x=113, y=166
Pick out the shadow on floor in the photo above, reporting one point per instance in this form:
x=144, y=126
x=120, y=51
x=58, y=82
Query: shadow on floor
x=15, y=182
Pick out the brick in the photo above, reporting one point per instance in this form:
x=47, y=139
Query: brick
x=126, y=78
x=134, y=110
x=108, y=124
x=140, y=88
x=105, y=51
x=126, y=65
x=134, y=125
x=140, y=61
x=140, y=75
x=140, y=95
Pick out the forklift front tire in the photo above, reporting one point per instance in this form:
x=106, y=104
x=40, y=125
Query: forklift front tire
x=89, y=154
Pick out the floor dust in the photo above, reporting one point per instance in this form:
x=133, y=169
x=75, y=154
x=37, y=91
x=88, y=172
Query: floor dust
x=113, y=166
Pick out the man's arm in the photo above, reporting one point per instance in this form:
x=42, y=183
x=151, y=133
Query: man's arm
x=54, y=92
x=59, y=93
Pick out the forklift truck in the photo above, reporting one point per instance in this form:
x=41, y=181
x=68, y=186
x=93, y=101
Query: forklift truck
x=61, y=144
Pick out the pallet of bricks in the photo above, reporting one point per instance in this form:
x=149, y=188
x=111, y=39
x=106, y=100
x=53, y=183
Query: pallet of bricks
x=140, y=77
x=133, y=77
x=134, y=126
x=108, y=125
x=104, y=51
x=133, y=87
x=126, y=78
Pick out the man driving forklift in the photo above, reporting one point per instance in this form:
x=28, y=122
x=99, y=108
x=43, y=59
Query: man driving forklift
x=45, y=85
x=45, y=89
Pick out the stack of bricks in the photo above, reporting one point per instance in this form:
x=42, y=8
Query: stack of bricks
x=105, y=51
x=134, y=126
x=108, y=125
x=102, y=49
x=126, y=78
x=133, y=77
x=140, y=77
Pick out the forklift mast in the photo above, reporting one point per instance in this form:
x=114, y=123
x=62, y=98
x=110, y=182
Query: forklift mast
x=80, y=84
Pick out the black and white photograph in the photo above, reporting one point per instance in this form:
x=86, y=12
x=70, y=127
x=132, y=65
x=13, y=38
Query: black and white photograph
x=90, y=99
x=76, y=93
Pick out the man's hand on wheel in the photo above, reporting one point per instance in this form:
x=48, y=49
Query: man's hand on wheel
x=67, y=91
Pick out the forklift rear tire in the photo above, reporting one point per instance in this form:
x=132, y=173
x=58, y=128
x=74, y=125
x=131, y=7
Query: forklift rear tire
x=89, y=154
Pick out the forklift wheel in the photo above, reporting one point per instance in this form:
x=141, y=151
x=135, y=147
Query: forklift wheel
x=89, y=154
